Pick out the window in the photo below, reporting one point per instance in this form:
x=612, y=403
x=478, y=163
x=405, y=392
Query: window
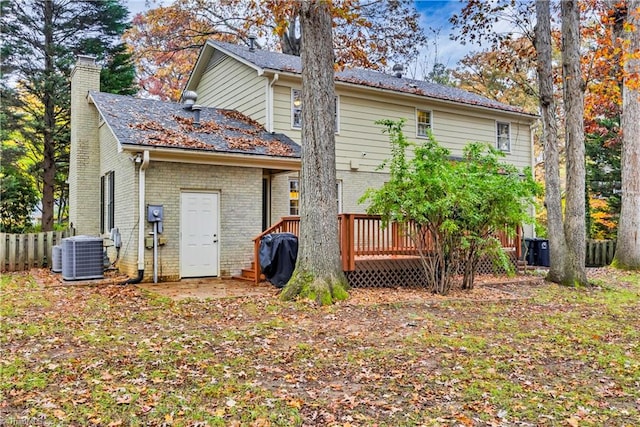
x=424, y=122
x=102, y=193
x=503, y=140
x=107, y=202
x=296, y=110
x=294, y=197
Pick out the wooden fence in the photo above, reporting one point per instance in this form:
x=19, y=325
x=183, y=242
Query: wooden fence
x=19, y=252
x=600, y=252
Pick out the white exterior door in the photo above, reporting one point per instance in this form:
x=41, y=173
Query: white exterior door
x=199, y=234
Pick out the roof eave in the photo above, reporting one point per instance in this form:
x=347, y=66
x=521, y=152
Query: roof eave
x=531, y=117
x=104, y=119
x=181, y=155
x=199, y=68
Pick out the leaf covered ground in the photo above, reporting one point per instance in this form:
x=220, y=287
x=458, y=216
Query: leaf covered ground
x=530, y=354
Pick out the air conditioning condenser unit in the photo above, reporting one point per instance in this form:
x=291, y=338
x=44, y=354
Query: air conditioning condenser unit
x=82, y=258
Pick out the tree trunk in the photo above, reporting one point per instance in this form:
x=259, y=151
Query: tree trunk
x=48, y=162
x=553, y=193
x=318, y=274
x=289, y=41
x=573, y=96
x=628, y=247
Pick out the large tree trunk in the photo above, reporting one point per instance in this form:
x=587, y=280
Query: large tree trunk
x=48, y=162
x=290, y=42
x=553, y=193
x=318, y=274
x=628, y=247
x=573, y=96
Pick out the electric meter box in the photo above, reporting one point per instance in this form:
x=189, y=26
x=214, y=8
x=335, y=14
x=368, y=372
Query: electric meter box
x=155, y=213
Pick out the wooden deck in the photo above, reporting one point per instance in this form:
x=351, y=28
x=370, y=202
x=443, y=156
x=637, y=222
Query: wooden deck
x=370, y=251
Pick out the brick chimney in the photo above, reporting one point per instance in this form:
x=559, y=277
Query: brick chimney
x=84, y=159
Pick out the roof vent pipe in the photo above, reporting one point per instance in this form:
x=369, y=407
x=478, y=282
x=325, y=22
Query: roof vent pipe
x=252, y=43
x=398, y=69
x=196, y=114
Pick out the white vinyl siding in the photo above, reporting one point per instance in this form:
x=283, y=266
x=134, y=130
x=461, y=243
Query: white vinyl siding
x=363, y=142
x=455, y=130
x=233, y=85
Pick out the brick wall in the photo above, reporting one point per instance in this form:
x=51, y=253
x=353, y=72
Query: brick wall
x=354, y=185
x=240, y=204
x=126, y=200
x=84, y=165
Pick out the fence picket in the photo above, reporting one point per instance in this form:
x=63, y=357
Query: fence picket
x=3, y=252
x=12, y=251
x=24, y=251
x=31, y=250
x=600, y=252
x=20, y=256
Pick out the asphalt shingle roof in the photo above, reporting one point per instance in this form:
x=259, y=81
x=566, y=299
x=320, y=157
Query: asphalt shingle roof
x=149, y=122
x=280, y=62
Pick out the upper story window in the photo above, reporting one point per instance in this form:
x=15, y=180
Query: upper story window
x=296, y=110
x=424, y=122
x=503, y=136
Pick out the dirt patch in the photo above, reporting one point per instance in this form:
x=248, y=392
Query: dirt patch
x=487, y=288
x=209, y=288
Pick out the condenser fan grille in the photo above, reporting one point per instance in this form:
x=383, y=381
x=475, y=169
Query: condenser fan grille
x=82, y=258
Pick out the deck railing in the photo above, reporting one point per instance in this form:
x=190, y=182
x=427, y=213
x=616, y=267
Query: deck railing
x=363, y=235
x=287, y=224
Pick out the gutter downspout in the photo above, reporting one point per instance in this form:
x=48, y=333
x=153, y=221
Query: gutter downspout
x=276, y=76
x=141, y=218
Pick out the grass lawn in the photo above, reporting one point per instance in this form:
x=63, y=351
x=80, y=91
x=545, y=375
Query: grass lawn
x=120, y=356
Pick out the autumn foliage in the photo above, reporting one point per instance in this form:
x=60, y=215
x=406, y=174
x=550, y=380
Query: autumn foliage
x=166, y=40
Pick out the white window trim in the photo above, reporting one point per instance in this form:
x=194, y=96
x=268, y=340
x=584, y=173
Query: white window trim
x=500, y=122
x=293, y=90
x=418, y=123
x=339, y=191
x=289, y=195
x=337, y=118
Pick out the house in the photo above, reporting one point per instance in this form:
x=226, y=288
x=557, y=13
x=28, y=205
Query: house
x=224, y=180
x=204, y=166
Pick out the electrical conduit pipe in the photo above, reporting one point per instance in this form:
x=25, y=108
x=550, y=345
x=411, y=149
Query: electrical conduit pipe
x=141, y=218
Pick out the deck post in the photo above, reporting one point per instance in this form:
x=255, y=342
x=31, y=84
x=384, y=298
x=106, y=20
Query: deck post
x=344, y=227
x=518, y=242
x=256, y=260
x=346, y=243
x=351, y=243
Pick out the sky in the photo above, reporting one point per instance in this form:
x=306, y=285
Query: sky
x=435, y=21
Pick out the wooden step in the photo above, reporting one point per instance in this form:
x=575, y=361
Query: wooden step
x=248, y=274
